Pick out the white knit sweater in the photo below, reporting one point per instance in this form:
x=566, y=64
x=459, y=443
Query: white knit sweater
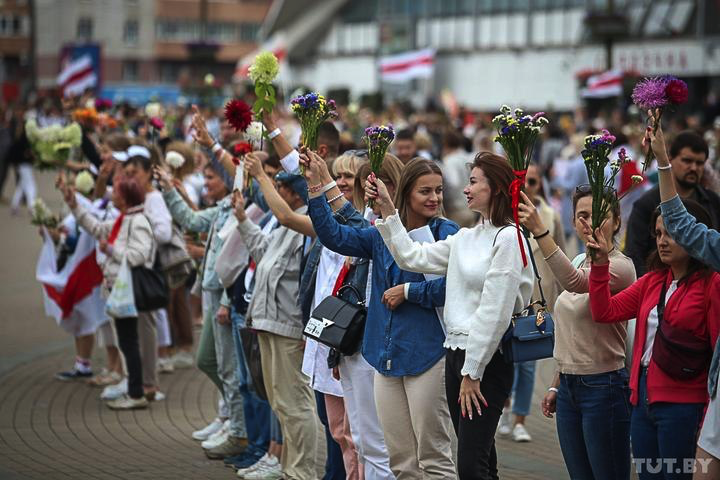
x=486, y=284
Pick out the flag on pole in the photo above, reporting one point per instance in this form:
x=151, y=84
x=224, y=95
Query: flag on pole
x=77, y=75
x=604, y=85
x=72, y=294
x=407, y=66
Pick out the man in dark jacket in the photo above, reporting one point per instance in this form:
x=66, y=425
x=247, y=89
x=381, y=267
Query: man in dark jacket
x=688, y=154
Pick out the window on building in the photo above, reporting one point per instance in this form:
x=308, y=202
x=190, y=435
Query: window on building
x=130, y=70
x=131, y=32
x=248, y=32
x=177, y=30
x=84, y=29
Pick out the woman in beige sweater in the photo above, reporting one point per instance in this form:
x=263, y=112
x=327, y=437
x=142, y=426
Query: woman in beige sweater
x=590, y=392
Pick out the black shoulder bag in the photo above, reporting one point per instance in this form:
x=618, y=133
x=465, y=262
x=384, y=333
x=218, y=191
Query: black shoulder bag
x=149, y=286
x=338, y=323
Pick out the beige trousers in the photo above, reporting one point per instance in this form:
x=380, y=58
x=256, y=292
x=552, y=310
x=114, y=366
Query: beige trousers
x=147, y=333
x=293, y=401
x=416, y=423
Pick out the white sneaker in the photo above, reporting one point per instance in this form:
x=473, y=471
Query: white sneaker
x=505, y=424
x=205, y=433
x=183, y=359
x=113, y=392
x=165, y=365
x=270, y=470
x=519, y=434
x=263, y=460
x=217, y=438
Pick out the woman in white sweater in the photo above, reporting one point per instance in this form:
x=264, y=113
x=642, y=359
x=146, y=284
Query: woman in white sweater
x=486, y=284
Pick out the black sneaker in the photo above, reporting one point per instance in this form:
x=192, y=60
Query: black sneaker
x=73, y=375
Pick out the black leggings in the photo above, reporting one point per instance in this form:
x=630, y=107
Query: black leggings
x=127, y=332
x=476, y=455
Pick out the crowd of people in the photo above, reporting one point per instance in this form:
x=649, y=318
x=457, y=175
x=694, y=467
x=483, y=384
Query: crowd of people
x=251, y=243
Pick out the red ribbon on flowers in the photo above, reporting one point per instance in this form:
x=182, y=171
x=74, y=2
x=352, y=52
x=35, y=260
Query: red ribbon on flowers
x=515, y=187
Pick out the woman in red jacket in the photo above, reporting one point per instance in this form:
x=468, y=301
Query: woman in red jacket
x=669, y=397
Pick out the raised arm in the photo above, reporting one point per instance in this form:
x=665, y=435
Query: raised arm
x=342, y=239
x=696, y=238
x=289, y=157
x=139, y=248
x=608, y=308
x=159, y=217
x=255, y=240
x=282, y=211
x=95, y=227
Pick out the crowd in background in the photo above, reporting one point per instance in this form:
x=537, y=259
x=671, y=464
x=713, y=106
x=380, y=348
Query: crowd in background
x=248, y=264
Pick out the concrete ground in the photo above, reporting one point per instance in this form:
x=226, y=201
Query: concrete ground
x=53, y=430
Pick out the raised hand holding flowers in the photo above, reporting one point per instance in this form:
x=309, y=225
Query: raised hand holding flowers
x=378, y=139
x=42, y=216
x=312, y=110
x=517, y=134
x=656, y=93
x=242, y=178
x=52, y=145
x=262, y=72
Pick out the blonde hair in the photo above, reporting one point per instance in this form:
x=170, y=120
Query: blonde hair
x=391, y=170
x=348, y=162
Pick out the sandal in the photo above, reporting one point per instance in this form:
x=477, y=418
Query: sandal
x=104, y=379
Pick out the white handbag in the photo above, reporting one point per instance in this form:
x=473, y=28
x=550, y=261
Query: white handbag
x=121, y=302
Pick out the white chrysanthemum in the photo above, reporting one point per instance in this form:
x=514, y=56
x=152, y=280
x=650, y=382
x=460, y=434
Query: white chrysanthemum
x=84, y=182
x=153, y=109
x=174, y=159
x=254, y=133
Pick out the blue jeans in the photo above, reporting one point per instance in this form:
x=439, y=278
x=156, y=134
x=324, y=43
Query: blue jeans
x=523, y=387
x=257, y=411
x=663, y=436
x=593, y=423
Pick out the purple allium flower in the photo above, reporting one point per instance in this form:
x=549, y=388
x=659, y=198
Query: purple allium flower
x=649, y=93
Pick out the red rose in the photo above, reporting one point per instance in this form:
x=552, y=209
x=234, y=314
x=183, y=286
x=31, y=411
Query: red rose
x=677, y=91
x=157, y=123
x=241, y=148
x=238, y=114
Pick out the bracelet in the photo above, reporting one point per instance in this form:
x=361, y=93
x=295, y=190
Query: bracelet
x=329, y=187
x=315, y=188
x=666, y=167
x=553, y=389
x=537, y=237
x=275, y=133
x=336, y=197
x=215, y=148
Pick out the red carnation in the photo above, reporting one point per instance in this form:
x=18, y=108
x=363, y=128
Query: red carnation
x=239, y=115
x=241, y=148
x=157, y=123
x=677, y=91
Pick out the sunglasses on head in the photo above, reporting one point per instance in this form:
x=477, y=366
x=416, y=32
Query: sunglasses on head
x=585, y=188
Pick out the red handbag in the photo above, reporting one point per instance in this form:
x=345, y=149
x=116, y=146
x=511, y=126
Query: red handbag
x=679, y=353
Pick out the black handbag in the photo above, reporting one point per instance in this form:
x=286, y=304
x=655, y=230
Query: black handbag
x=338, y=323
x=253, y=359
x=150, y=289
x=531, y=334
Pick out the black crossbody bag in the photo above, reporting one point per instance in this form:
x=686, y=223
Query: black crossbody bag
x=338, y=323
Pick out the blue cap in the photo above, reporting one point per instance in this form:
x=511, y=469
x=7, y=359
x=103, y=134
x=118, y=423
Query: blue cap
x=297, y=183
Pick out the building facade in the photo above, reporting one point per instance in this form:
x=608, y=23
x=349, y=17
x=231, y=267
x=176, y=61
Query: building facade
x=149, y=43
x=15, y=49
x=489, y=52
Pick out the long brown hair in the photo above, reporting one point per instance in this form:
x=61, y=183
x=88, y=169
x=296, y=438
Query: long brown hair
x=414, y=169
x=694, y=265
x=499, y=176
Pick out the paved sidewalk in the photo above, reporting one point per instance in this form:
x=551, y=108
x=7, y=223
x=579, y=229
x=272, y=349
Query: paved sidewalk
x=56, y=430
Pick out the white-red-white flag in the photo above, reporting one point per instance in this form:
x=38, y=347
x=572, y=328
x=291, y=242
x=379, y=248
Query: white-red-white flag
x=77, y=76
x=407, y=66
x=72, y=294
x=603, y=85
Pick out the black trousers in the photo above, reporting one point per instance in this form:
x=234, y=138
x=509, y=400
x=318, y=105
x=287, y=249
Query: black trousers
x=476, y=456
x=127, y=332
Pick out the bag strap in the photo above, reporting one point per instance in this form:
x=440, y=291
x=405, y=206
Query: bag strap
x=661, y=302
x=353, y=289
x=526, y=234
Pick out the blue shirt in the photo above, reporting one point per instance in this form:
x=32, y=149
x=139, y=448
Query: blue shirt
x=407, y=340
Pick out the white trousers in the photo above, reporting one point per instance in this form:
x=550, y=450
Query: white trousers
x=357, y=379
x=163, y=328
x=25, y=187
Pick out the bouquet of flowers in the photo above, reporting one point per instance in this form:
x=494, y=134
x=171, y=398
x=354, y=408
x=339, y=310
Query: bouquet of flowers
x=312, y=110
x=42, y=216
x=657, y=93
x=378, y=139
x=517, y=134
x=604, y=197
x=262, y=72
x=52, y=145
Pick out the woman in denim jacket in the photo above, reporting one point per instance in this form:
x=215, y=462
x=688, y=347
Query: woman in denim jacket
x=702, y=243
x=404, y=337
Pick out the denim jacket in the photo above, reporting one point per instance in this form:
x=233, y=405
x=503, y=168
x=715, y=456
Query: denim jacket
x=702, y=243
x=407, y=340
x=208, y=220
